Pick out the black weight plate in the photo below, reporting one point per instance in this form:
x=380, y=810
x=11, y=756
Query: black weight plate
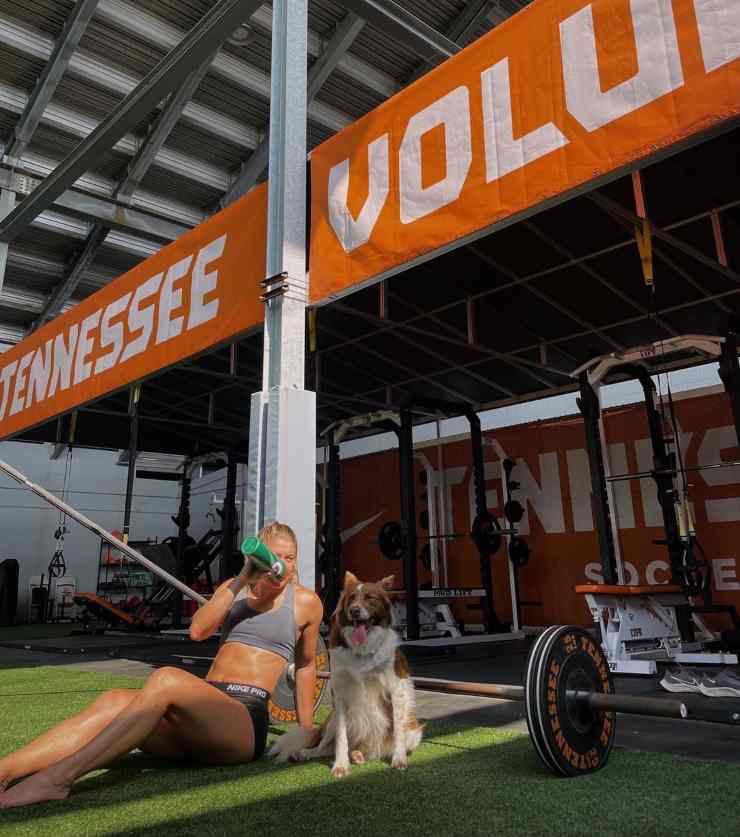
x=391, y=540
x=514, y=511
x=530, y=697
x=576, y=739
x=519, y=551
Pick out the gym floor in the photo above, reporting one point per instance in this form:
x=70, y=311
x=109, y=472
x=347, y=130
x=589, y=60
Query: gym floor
x=475, y=773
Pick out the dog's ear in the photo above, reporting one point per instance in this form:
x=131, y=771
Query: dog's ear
x=350, y=580
x=387, y=582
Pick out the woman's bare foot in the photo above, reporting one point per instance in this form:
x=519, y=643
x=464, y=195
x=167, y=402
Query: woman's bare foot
x=37, y=788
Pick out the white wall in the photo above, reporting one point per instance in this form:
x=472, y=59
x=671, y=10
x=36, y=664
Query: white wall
x=98, y=487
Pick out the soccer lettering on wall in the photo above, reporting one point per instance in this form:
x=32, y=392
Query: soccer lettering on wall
x=195, y=293
x=564, y=93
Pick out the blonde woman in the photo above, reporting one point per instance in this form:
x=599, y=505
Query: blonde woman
x=176, y=715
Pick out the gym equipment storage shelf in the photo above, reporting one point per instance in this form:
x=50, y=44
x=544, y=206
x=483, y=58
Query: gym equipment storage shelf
x=121, y=579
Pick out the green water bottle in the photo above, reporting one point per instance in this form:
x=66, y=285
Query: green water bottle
x=263, y=558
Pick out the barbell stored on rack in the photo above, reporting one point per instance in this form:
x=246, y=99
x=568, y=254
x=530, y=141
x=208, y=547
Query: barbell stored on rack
x=486, y=533
x=569, y=700
x=642, y=475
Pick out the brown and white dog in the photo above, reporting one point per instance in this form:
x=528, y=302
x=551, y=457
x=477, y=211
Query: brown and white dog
x=374, y=701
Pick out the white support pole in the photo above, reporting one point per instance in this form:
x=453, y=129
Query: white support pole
x=282, y=465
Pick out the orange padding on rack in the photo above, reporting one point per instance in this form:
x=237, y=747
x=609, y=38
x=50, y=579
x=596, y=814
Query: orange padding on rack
x=628, y=590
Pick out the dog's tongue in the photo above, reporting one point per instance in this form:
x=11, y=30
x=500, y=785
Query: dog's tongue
x=359, y=634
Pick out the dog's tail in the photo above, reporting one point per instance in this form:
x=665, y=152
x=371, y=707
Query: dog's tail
x=295, y=739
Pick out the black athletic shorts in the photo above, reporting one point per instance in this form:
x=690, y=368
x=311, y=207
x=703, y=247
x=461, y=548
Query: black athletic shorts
x=256, y=701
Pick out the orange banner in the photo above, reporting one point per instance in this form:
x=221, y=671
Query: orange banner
x=562, y=94
x=197, y=292
x=552, y=470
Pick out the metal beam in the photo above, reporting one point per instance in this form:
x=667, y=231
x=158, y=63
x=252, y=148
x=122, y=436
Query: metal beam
x=160, y=131
x=69, y=284
x=491, y=262
x=346, y=32
x=474, y=13
x=594, y=274
x=77, y=124
x=614, y=208
x=47, y=82
x=146, y=155
x=213, y=28
x=158, y=32
x=102, y=208
x=91, y=69
x=405, y=28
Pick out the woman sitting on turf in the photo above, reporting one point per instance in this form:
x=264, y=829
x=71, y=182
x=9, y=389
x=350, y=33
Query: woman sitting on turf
x=178, y=716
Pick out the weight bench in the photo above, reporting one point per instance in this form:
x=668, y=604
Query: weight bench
x=639, y=625
x=103, y=609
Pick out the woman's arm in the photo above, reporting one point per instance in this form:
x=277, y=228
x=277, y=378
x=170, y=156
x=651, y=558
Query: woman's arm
x=209, y=618
x=305, y=661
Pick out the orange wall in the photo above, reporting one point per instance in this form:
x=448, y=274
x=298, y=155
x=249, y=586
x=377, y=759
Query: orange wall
x=558, y=525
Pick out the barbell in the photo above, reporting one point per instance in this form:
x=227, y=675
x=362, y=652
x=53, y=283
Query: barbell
x=569, y=700
x=486, y=534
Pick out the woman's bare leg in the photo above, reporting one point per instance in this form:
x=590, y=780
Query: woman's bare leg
x=209, y=726
x=65, y=738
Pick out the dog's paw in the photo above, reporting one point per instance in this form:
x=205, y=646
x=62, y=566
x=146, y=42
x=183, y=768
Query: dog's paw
x=301, y=755
x=399, y=762
x=339, y=771
x=357, y=757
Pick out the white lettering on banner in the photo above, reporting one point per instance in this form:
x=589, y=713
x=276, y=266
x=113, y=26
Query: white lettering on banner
x=546, y=500
x=350, y=232
x=659, y=73
x=170, y=298
x=491, y=471
x=85, y=344
x=624, y=512
x=61, y=370
x=452, y=112
x=5, y=378
x=65, y=360
x=723, y=569
x=719, y=31
x=648, y=491
x=658, y=60
x=205, y=282
x=452, y=477
x=38, y=380
x=725, y=574
x=112, y=335
x=504, y=154
x=592, y=571
x=716, y=440
x=579, y=479
x=20, y=383
x=141, y=318
x=653, y=568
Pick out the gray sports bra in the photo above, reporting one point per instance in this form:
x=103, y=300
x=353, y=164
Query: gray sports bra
x=273, y=630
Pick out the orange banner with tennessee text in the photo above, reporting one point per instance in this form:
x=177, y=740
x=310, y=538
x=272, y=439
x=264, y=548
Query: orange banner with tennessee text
x=197, y=292
x=564, y=93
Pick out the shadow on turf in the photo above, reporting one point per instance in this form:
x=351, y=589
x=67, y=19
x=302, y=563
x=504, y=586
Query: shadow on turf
x=125, y=780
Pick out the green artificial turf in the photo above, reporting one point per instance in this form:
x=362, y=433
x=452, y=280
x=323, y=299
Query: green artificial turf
x=461, y=781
